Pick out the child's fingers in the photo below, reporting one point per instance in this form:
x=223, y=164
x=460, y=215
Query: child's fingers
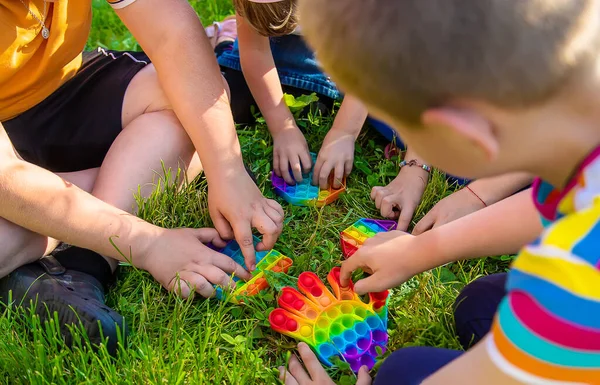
x=426, y=223
x=387, y=206
x=206, y=235
x=311, y=361
x=374, y=192
x=284, y=169
x=372, y=284
x=363, y=376
x=296, y=167
x=229, y=266
x=408, y=209
x=298, y=372
x=243, y=235
x=317, y=171
x=338, y=175
x=380, y=194
x=348, y=167
x=276, y=165
x=191, y=280
x=268, y=227
x=349, y=266
x=306, y=161
x=277, y=207
x=324, y=174
x=286, y=377
x=222, y=226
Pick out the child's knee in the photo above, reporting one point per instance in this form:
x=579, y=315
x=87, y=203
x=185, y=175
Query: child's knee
x=20, y=247
x=475, y=307
x=410, y=366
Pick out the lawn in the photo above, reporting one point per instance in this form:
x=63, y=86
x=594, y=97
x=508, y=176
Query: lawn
x=175, y=341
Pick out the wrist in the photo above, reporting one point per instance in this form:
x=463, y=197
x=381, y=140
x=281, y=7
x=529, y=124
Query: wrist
x=143, y=237
x=415, y=169
x=469, y=190
x=281, y=126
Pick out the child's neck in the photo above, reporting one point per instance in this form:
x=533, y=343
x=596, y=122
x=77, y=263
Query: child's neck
x=564, y=152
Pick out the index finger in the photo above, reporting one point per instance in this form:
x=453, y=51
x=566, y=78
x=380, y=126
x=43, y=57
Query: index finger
x=405, y=216
x=244, y=238
x=348, y=267
x=313, y=366
x=229, y=266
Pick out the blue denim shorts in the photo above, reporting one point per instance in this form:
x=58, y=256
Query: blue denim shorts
x=295, y=63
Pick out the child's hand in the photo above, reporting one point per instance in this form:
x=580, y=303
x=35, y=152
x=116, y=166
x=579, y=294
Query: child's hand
x=337, y=155
x=290, y=150
x=400, y=198
x=236, y=205
x=391, y=258
x=454, y=206
x=179, y=260
x=314, y=372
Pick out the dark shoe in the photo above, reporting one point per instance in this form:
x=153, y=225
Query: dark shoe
x=73, y=295
x=251, y=174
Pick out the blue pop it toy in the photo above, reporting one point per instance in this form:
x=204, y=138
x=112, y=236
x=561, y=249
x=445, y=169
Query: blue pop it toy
x=304, y=193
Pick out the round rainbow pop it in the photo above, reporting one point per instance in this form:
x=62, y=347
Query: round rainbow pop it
x=333, y=324
x=304, y=193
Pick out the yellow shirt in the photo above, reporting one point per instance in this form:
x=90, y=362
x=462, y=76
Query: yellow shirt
x=32, y=68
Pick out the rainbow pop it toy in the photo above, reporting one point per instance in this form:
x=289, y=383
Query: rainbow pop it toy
x=265, y=260
x=304, y=193
x=337, y=324
x=354, y=236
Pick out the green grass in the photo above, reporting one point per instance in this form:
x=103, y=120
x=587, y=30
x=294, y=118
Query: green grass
x=175, y=341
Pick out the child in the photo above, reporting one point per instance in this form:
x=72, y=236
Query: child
x=274, y=58
x=518, y=92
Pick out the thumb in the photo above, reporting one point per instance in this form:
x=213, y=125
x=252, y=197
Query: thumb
x=206, y=235
x=372, y=284
x=363, y=376
x=222, y=226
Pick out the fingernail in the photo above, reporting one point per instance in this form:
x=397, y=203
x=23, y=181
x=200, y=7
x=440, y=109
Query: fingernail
x=252, y=267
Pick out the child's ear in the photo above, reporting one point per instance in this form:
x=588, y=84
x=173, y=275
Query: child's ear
x=467, y=123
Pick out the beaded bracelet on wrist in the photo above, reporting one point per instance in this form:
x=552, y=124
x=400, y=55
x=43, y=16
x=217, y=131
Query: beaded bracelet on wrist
x=413, y=162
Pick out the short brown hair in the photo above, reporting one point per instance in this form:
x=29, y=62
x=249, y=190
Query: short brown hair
x=269, y=19
x=405, y=56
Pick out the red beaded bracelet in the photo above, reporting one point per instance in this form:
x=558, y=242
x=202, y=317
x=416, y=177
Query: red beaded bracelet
x=478, y=197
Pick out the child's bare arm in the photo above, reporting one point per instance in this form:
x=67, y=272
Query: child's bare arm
x=337, y=152
x=479, y=194
x=395, y=257
x=42, y=202
x=290, y=148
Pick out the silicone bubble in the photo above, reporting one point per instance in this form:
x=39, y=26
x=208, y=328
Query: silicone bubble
x=354, y=236
x=334, y=323
x=271, y=260
x=304, y=193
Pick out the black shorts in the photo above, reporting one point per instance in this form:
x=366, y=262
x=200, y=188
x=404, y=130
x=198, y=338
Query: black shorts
x=73, y=128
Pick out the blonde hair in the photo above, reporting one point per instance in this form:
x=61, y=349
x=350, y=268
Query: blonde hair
x=269, y=19
x=405, y=56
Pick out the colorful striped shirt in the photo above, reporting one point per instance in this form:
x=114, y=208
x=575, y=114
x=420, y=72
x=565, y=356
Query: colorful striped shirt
x=547, y=329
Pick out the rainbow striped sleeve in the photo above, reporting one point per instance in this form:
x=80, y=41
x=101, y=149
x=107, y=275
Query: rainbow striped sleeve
x=118, y=4
x=547, y=329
